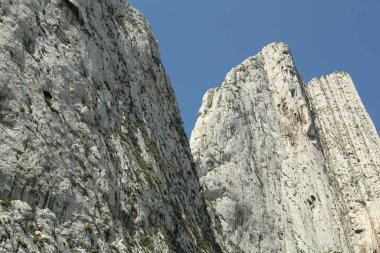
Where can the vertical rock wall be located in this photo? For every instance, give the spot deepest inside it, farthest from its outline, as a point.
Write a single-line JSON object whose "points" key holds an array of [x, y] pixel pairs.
{"points": [[352, 149], [93, 156], [262, 165]]}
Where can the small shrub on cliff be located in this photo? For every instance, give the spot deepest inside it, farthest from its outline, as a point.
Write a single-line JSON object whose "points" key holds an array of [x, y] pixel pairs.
{"points": [[88, 228], [37, 239], [5, 202]]}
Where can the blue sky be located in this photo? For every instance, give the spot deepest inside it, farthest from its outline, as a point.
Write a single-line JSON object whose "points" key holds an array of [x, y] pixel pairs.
{"points": [[201, 40]]}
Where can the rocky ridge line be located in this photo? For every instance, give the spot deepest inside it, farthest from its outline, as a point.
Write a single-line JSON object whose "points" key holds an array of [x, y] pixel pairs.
{"points": [[275, 158]]}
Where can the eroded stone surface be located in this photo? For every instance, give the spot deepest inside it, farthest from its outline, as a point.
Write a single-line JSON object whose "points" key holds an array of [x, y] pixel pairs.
{"points": [[352, 148], [271, 177], [93, 156]]}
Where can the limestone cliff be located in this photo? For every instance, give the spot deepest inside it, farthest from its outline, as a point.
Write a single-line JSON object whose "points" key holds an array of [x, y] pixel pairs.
{"points": [[281, 174], [93, 156], [352, 148]]}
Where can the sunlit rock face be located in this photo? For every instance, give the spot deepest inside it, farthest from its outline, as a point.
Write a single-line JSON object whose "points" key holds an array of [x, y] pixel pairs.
{"points": [[273, 168], [93, 156], [352, 148]]}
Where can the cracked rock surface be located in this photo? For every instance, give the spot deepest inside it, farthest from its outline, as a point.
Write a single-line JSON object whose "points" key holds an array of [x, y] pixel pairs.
{"points": [[94, 158], [287, 168], [93, 155], [352, 148]]}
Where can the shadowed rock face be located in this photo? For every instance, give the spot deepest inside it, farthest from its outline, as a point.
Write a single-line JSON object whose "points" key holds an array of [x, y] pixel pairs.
{"points": [[93, 156], [274, 180]]}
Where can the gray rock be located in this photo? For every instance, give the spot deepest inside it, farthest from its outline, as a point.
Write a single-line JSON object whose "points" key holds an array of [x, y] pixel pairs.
{"points": [[93, 155], [270, 173], [94, 158]]}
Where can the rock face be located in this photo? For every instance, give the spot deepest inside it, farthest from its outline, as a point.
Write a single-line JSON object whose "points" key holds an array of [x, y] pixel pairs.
{"points": [[93, 156], [281, 173], [352, 148]]}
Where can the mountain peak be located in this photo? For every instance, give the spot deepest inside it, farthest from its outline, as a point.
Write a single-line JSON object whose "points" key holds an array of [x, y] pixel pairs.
{"points": [[263, 141]]}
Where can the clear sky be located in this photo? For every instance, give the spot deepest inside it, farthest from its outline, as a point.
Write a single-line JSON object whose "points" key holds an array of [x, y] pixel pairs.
{"points": [[201, 40]]}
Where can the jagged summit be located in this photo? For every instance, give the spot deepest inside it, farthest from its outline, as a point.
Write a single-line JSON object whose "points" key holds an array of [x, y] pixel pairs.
{"points": [[334, 75], [272, 48], [278, 172], [275, 47]]}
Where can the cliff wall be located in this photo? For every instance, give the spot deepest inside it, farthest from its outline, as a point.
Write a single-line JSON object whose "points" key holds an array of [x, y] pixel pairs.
{"points": [[288, 167], [93, 155]]}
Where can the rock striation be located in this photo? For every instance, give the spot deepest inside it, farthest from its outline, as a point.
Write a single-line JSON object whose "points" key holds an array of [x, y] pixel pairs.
{"points": [[94, 158], [287, 167], [352, 149], [93, 155]]}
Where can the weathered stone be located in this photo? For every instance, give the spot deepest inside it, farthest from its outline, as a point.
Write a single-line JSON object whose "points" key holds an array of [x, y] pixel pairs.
{"points": [[93, 155], [265, 166], [352, 148], [94, 158]]}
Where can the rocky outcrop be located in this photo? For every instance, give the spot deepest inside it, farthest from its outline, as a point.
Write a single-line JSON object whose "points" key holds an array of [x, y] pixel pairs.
{"points": [[352, 148], [274, 175], [93, 156]]}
